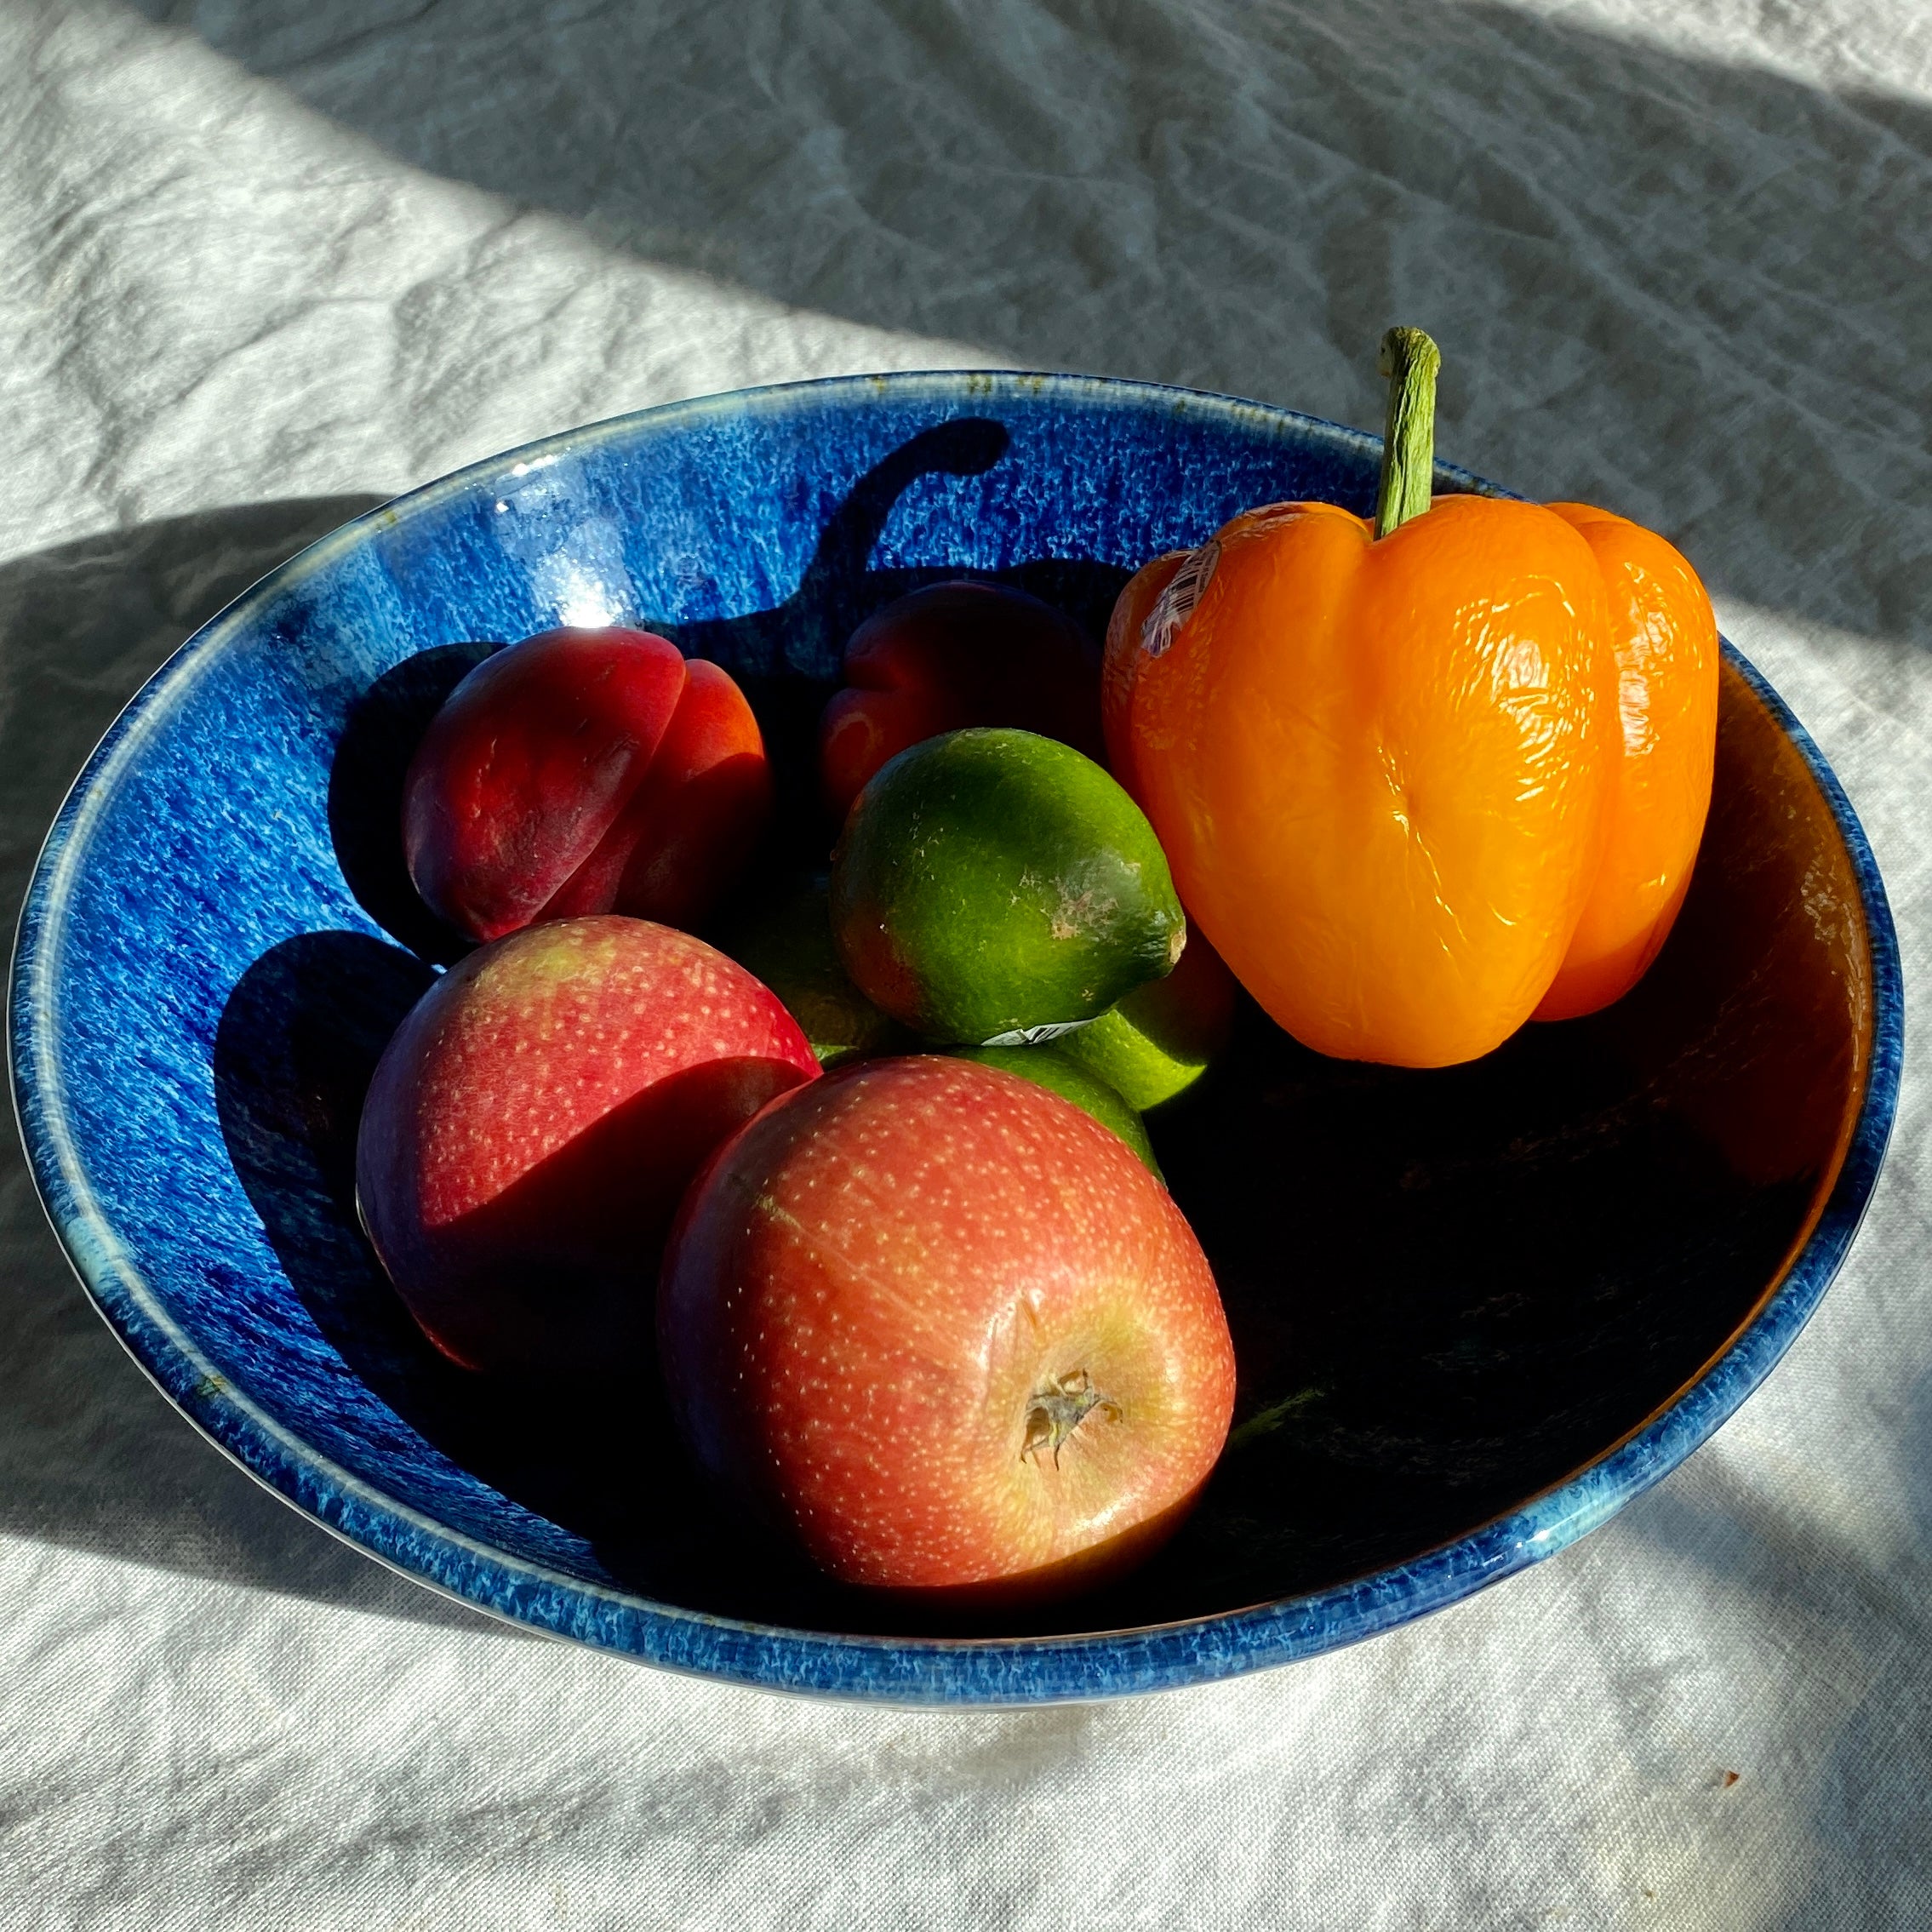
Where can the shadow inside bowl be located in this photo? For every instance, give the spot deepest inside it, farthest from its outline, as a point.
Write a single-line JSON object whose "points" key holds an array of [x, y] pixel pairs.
{"points": [[384, 727], [1450, 1290], [841, 587]]}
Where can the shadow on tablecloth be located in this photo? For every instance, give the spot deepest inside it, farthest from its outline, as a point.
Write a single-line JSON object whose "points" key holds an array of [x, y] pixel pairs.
{"points": [[1690, 289]]}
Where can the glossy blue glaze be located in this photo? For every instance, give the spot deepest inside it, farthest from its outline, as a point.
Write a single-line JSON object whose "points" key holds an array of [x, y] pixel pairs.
{"points": [[197, 849]]}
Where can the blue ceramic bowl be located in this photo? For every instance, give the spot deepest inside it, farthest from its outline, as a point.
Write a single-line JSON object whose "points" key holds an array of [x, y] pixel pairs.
{"points": [[1475, 1312]]}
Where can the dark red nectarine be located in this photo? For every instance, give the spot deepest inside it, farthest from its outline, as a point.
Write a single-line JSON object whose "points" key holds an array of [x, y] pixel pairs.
{"points": [[951, 655], [585, 771]]}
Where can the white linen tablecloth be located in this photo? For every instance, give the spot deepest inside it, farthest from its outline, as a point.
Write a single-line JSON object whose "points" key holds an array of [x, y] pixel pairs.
{"points": [[262, 263]]}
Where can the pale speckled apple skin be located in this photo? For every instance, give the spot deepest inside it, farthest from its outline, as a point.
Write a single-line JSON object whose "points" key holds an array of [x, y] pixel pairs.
{"points": [[873, 1282], [535, 1118]]}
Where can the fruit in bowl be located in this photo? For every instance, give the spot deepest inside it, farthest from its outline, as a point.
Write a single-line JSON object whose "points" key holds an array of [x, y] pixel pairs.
{"points": [[533, 1123], [1059, 1072], [944, 1331], [1423, 777], [781, 934], [584, 771], [1152, 1046], [994, 887], [949, 656]]}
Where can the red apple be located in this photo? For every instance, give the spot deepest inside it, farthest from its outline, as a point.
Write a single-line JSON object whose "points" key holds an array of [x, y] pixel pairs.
{"points": [[534, 1121], [584, 771], [945, 1330], [951, 655]]}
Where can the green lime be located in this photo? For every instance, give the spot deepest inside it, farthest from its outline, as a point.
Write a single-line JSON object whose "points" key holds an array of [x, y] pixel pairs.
{"points": [[1164, 1035], [783, 936], [1047, 1068], [992, 887]]}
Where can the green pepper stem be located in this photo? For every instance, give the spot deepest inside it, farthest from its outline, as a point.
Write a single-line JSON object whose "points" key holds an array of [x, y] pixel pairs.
{"points": [[1409, 360]]}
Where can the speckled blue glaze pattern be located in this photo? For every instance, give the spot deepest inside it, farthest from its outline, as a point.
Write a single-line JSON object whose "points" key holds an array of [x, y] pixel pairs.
{"points": [[197, 841]]}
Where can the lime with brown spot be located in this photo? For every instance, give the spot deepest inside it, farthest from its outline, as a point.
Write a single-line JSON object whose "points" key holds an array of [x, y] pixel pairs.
{"points": [[992, 887]]}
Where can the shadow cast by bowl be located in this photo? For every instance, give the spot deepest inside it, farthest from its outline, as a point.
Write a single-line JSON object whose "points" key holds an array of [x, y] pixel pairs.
{"points": [[1241, 199]]}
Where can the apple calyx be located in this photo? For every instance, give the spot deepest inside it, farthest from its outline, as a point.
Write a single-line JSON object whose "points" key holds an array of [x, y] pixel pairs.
{"points": [[1059, 1408]]}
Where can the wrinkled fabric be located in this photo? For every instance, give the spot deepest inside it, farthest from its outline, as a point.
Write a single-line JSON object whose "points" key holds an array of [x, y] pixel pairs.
{"points": [[262, 264]]}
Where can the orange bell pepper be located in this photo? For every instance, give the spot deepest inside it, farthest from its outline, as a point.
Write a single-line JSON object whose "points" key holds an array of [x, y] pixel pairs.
{"points": [[1420, 780]]}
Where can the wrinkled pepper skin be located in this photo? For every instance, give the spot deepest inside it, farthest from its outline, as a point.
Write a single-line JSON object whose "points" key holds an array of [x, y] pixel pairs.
{"points": [[949, 656], [1382, 770], [584, 771], [1665, 637]]}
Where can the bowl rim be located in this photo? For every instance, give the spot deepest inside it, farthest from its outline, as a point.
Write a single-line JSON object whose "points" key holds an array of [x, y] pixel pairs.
{"points": [[906, 1670]]}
